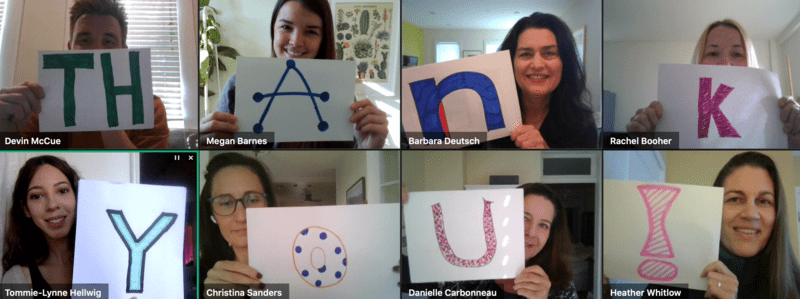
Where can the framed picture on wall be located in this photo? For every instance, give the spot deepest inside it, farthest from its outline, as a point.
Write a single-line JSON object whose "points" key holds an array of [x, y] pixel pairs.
{"points": [[580, 42], [470, 53], [355, 194], [368, 33]]}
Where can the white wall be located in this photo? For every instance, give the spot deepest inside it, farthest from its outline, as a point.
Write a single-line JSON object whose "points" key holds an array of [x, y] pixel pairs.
{"points": [[468, 39], [45, 27], [352, 167], [791, 47], [588, 13], [630, 69]]}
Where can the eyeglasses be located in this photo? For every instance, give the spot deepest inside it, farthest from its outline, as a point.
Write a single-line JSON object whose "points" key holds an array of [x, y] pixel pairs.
{"points": [[225, 205]]}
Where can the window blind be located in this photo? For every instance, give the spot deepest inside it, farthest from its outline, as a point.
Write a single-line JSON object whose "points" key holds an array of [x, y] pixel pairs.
{"points": [[447, 52], [2, 15], [154, 24]]}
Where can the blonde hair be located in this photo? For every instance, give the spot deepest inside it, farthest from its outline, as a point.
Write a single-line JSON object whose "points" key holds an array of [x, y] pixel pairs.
{"points": [[748, 44]]}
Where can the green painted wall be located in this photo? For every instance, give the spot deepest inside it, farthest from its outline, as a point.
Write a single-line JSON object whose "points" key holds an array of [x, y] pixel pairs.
{"points": [[412, 41]]}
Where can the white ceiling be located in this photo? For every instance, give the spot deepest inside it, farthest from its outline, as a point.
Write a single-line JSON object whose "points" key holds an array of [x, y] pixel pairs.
{"points": [[684, 20], [461, 14], [307, 166]]}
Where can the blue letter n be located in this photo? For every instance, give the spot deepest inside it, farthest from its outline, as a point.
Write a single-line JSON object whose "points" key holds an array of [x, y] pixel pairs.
{"points": [[137, 247], [427, 96]]}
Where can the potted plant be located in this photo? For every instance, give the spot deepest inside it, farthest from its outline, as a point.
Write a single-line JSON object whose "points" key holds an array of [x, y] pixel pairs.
{"points": [[362, 69]]}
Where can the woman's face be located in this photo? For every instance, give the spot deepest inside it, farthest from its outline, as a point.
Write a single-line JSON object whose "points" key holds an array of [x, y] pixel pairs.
{"points": [[537, 63], [748, 211], [235, 181], [298, 32], [539, 214], [724, 46], [51, 202]]}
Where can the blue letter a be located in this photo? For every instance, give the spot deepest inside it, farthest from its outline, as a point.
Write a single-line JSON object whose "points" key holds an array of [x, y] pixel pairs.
{"points": [[137, 247], [427, 96]]}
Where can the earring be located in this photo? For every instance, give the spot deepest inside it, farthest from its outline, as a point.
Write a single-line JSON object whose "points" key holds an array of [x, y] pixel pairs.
{"points": [[213, 219]]}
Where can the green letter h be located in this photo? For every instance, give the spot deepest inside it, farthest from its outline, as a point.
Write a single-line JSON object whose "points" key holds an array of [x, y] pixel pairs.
{"points": [[135, 89]]}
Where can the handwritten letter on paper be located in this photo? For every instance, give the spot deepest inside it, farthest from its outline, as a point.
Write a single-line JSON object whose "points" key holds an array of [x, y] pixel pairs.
{"points": [[96, 90], [130, 237], [484, 237], [476, 94], [298, 100], [327, 251], [660, 233], [741, 101]]}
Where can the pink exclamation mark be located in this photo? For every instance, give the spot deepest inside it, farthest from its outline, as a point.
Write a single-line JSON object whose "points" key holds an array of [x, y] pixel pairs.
{"points": [[658, 200]]}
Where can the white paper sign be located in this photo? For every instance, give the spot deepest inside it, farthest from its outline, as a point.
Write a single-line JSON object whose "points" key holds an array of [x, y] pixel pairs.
{"points": [[96, 90], [720, 106], [660, 233], [130, 236], [475, 94], [298, 99], [465, 235], [327, 251]]}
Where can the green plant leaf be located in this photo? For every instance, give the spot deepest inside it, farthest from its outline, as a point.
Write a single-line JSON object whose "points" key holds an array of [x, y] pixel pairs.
{"points": [[227, 51], [211, 21], [222, 67], [204, 3], [213, 35]]}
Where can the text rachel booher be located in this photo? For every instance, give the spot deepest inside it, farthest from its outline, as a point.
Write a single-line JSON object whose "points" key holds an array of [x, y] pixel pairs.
{"points": [[641, 141]]}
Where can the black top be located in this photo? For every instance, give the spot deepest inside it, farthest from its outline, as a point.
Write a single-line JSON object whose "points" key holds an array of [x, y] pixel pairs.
{"points": [[556, 134], [37, 281], [485, 289], [750, 272]]}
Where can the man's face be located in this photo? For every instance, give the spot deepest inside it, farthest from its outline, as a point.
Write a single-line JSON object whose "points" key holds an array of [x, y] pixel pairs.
{"points": [[93, 32]]}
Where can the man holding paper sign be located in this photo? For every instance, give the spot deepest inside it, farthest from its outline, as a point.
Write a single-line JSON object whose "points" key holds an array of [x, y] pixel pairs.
{"points": [[94, 25], [726, 43]]}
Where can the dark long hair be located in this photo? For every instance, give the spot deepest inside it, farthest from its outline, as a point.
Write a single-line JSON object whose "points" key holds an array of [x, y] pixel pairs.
{"points": [[321, 8], [555, 255], [783, 270], [24, 241], [214, 248], [566, 102]]}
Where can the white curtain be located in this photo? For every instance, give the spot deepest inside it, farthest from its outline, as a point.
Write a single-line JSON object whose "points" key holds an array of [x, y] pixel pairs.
{"points": [[10, 42], [10, 163], [188, 44]]}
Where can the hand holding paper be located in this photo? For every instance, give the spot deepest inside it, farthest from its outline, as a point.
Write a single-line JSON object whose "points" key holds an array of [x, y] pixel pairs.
{"points": [[646, 119], [17, 103], [721, 106]]}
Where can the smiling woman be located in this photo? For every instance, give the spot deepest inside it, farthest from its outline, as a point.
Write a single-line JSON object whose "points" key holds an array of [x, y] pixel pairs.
{"points": [[551, 84], [40, 240]]}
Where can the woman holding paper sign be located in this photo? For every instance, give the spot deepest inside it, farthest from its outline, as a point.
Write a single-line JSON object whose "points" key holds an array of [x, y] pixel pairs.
{"points": [[551, 83], [723, 43], [230, 179], [548, 273], [40, 239], [303, 29]]}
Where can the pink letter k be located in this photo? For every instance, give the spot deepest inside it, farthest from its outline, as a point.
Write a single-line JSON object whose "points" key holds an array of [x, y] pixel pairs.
{"points": [[708, 106]]}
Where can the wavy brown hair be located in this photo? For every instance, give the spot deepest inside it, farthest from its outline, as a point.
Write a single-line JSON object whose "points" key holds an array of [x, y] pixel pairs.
{"points": [[24, 241], [319, 7], [555, 255], [783, 270]]}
